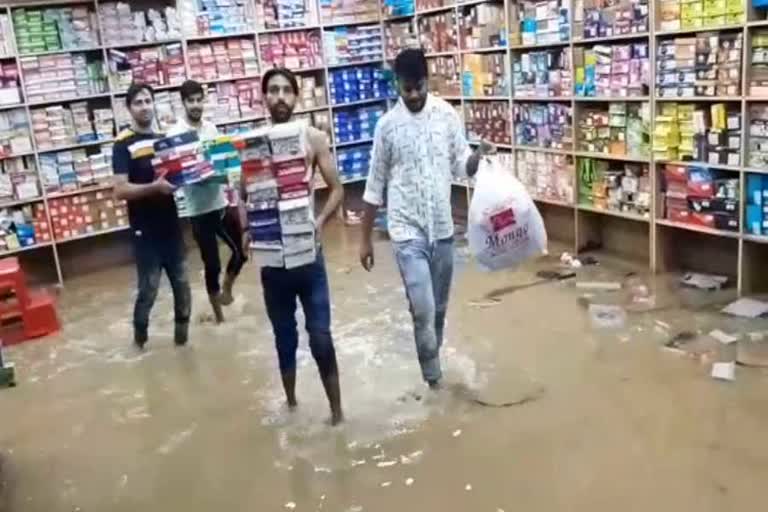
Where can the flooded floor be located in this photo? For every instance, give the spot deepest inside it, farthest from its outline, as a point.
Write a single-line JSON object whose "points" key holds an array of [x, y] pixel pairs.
{"points": [[609, 421]]}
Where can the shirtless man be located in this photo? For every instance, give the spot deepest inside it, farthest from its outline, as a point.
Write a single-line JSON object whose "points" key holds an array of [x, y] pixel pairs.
{"points": [[307, 283]]}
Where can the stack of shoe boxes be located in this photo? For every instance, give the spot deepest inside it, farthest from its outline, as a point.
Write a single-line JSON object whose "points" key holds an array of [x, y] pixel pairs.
{"points": [[615, 186], [15, 133], [544, 21], [438, 32], [292, 50], [156, 66], [616, 129], [483, 26], [546, 176], [279, 200], [621, 70], [89, 212], [701, 196], [358, 84], [70, 170], [18, 179], [181, 159], [488, 120], [220, 17], [7, 48], [701, 133], [62, 76], [606, 18], [444, 77], [285, 13], [756, 214], [10, 87], [347, 45], [757, 148], [706, 65], [353, 163], [485, 75], [543, 125], [349, 11], [542, 74], [399, 35], [121, 25], [227, 58], [54, 29], [356, 124], [758, 80], [687, 14]]}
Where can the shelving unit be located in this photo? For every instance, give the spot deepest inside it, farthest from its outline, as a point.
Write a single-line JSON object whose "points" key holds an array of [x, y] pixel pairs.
{"points": [[660, 243], [650, 239]]}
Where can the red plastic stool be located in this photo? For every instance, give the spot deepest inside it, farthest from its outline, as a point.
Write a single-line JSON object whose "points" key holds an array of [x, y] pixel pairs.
{"points": [[12, 281], [36, 310], [39, 316]]}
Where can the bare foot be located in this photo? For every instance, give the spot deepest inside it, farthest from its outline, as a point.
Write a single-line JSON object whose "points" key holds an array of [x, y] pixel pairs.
{"points": [[225, 297], [336, 418], [292, 404], [435, 385]]}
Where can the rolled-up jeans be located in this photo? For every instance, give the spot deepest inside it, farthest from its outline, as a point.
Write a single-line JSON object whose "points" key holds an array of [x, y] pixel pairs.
{"points": [[427, 271]]}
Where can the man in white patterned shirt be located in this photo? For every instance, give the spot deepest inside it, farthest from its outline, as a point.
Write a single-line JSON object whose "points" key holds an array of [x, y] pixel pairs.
{"points": [[419, 147]]}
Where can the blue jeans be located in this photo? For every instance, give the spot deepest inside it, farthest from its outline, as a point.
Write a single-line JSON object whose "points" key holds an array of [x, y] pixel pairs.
{"points": [[427, 271], [308, 284], [153, 255]]}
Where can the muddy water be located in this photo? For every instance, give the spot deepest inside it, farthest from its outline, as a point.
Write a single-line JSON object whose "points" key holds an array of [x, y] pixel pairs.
{"points": [[619, 424]]}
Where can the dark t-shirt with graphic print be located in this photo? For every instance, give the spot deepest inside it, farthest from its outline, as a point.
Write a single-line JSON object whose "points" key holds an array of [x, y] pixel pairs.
{"points": [[154, 216]]}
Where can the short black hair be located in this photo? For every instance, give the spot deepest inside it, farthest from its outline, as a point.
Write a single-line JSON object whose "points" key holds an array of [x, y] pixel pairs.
{"points": [[284, 72], [411, 65], [134, 89], [190, 88]]}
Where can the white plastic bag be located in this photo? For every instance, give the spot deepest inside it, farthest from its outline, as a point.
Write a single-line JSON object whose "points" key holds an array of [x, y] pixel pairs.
{"points": [[505, 228]]}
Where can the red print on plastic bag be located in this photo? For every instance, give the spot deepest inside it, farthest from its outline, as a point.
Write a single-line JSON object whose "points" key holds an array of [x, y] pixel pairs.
{"points": [[503, 219]]}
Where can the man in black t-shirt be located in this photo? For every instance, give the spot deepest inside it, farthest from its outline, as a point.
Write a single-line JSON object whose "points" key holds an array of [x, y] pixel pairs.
{"points": [[157, 236]]}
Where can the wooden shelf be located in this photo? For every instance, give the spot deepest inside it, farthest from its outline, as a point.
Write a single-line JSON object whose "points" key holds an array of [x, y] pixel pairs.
{"points": [[694, 30], [734, 168], [607, 39], [685, 99], [616, 158], [538, 46], [591, 218], [551, 151], [613, 213], [697, 229], [605, 99]]}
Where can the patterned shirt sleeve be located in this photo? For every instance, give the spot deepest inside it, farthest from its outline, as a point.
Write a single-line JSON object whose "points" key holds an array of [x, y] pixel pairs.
{"points": [[378, 176], [460, 150]]}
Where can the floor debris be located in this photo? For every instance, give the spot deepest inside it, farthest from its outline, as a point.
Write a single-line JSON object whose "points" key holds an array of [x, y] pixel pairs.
{"points": [[607, 286], [290, 505], [486, 302], [386, 484], [746, 308], [468, 487], [708, 282], [724, 371], [386, 464], [457, 433], [409, 482], [723, 337], [606, 316]]}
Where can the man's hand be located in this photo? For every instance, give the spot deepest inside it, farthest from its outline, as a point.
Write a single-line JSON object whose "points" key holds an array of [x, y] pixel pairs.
{"points": [[486, 148], [162, 186], [319, 225], [366, 254]]}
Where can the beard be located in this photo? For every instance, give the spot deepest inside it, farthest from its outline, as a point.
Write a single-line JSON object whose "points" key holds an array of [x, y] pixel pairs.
{"points": [[280, 112], [195, 116]]}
